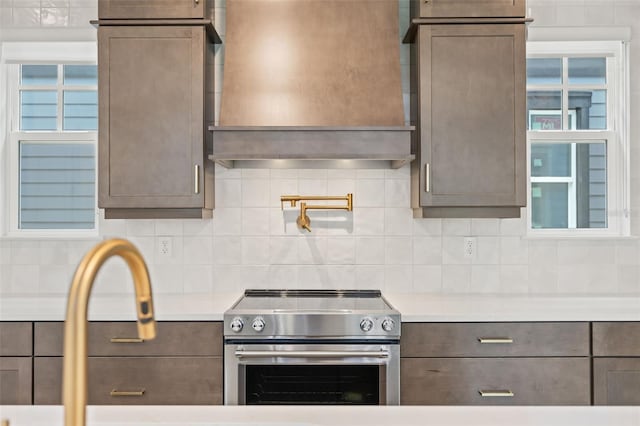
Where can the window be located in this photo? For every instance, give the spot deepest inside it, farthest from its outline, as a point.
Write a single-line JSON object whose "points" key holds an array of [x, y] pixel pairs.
{"points": [[52, 148], [577, 130]]}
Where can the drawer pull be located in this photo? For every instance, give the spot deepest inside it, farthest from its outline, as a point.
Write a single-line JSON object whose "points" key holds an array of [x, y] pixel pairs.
{"points": [[126, 340], [496, 393], [116, 392], [495, 340]]}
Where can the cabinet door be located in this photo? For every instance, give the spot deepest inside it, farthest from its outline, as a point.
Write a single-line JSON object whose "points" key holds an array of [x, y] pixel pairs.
{"points": [[16, 339], [472, 115], [475, 8], [151, 9], [151, 130], [136, 380], [495, 381], [15, 380], [616, 339], [616, 381]]}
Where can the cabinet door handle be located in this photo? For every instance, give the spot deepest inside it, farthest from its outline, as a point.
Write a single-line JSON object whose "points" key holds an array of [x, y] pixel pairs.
{"points": [[116, 392], [196, 178], [126, 340], [427, 178], [495, 340], [496, 393]]}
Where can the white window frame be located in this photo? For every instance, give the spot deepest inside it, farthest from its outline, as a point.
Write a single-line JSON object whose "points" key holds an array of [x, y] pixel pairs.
{"points": [[616, 135], [72, 53]]}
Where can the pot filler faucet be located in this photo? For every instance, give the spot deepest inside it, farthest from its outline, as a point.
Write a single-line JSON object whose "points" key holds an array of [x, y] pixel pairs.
{"points": [[74, 382]]}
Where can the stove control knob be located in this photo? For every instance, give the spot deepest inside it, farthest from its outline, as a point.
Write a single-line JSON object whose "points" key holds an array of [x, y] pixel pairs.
{"points": [[366, 324], [237, 324], [388, 324], [258, 324]]}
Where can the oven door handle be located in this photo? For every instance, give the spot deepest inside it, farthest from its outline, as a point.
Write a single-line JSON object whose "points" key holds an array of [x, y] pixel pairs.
{"points": [[312, 354]]}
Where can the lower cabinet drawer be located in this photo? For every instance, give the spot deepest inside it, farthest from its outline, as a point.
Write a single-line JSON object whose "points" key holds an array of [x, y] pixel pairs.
{"points": [[15, 380], [616, 381], [495, 381], [137, 381]]}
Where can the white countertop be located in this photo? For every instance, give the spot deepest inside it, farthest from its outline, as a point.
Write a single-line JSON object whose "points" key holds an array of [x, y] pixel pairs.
{"points": [[413, 307], [329, 416]]}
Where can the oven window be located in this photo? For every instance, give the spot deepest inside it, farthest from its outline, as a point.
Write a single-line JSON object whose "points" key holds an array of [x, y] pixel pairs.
{"points": [[312, 384]]}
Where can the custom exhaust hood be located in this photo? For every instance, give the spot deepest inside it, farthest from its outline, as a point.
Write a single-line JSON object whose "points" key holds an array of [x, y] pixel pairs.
{"points": [[311, 80]]}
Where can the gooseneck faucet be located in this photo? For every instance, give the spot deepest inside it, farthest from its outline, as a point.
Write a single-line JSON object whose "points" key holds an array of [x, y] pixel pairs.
{"points": [[74, 383]]}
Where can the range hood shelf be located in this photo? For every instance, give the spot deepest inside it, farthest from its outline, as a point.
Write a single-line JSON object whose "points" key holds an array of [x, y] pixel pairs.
{"points": [[312, 146]]}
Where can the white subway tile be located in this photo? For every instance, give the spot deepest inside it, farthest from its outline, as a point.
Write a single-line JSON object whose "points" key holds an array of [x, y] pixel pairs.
{"points": [[456, 278], [222, 172], [5, 252], [199, 227], [514, 251], [54, 17], [572, 279], [403, 172], [283, 251], [427, 227], [341, 250], [369, 193], [485, 227], [147, 247], [586, 253], [341, 276], [255, 250], [167, 279], [543, 279], [398, 251], [369, 221], [254, 276], [5, 279], [283, 276], [226, 278], [370, 173], [25, 252], [280, 187], [198, 251], [26, 17], [255, 193], [169, 227], [55, 279], [398, 278], [227, 221], [198, 279], [456, 227], [627, 252], [25, 279], [313, 174], [427, 278], [255, 221], [398, 221], [54, 253], [396, 193], [227, 251], [340, 187], [283, 222], [514, 278], [570, 16], [6, 16], [514, 226], [543, 252], [485, 279], [453, 251], [313, 187], [370, 251], [312, 277], [341, 174], [370, 277], [114, 278], [228, 193], [487, 251], [140, 228], [284, 174], [603, 279], [312, 250], [427, 250], [77, 249], [629, 279]]}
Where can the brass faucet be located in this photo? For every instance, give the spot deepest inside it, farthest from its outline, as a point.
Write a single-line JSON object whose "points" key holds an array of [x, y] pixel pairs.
{"points": [[74, 383], [303, 220]]}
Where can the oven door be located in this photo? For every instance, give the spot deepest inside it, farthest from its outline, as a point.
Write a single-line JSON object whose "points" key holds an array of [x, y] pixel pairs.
{"points": [[312, 374]]}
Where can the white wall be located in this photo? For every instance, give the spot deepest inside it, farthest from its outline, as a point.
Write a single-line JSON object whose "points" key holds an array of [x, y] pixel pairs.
{"points": [[251, 243]]}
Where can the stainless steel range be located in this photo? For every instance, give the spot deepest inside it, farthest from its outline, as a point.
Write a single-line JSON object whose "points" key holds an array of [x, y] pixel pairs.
{"points": [[312, 347]]}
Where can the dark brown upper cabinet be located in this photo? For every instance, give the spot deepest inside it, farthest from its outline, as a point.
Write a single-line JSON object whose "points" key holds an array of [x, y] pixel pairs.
{"points": [[468, 9], [154, 9], [469, 100], [156, 102]]}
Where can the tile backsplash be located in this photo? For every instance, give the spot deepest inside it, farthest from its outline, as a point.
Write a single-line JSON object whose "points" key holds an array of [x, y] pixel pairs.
{"points": [[251, 242]]}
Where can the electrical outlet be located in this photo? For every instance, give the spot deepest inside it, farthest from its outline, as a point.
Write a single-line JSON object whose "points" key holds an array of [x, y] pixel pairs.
{"points": [[469, 247], [164, 246]]}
